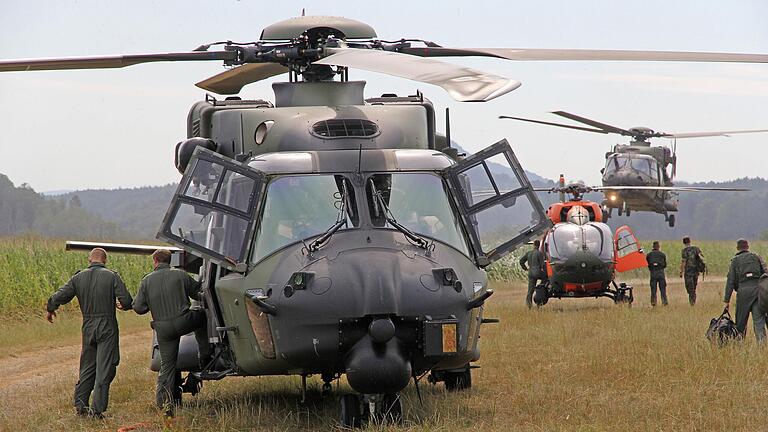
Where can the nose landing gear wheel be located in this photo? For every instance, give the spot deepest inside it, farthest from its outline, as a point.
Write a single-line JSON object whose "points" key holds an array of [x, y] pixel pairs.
{"points": [[350, 416], [455, 381]]}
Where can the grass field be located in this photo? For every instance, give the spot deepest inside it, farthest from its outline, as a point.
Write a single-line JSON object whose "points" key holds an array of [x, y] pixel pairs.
{"points": [[574, 365]]}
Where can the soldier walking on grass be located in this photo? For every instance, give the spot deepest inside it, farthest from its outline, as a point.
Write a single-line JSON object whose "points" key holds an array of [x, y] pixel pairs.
{"points": [[691, 264], [165, 293], [743, 276], [98, 290], [534, 262], [657, 262]]}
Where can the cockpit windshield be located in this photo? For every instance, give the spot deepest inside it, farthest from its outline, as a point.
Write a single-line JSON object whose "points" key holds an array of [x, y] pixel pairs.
{"points": [[419, 202], [566, 239], [297, 208], [641, 163]]}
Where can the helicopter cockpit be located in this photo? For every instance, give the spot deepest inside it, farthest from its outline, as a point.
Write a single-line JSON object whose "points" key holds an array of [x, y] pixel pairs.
{"points": [[565, 239], [635, 163]]}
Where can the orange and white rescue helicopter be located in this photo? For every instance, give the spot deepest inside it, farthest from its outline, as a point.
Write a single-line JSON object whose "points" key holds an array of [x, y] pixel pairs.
{"points": [[582, 253]]}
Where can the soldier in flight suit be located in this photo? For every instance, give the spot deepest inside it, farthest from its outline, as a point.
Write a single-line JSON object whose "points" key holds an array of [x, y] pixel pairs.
{"points": [[657, 262], [691, 264], [96, 289], [534, 262], [165, 293], [743, 275]]}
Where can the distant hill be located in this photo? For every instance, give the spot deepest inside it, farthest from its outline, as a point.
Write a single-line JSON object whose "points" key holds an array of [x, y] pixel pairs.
{"points": [[137, 211], [22, 210]]}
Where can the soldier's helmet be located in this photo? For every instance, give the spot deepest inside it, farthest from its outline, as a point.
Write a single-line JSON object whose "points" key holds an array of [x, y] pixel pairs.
{"points": [[578, 215]]}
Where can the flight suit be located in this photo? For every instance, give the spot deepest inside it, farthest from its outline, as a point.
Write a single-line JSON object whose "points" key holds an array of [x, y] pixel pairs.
{"points": [[743, 275], [690, 257], [535, 263], [657, 262], [96, 289], [165, 293]]}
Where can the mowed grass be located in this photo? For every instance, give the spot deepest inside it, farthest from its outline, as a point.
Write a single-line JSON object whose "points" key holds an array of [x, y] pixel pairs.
{"points": [[573, 365]]}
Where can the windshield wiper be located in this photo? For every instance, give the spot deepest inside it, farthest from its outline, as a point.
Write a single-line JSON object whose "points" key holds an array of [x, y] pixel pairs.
{"points": [[341, 220], [414, 238]]}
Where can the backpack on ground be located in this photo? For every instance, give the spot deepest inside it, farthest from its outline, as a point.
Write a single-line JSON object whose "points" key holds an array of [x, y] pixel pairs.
{"points": [[722, 329]]}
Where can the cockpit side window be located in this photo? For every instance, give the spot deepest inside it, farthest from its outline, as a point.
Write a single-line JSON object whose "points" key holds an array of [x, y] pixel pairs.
{"points": [[297, 208]]}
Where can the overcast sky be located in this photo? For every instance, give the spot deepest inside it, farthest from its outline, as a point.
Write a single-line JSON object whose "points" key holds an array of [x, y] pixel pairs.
{"points": [[118, 128]]}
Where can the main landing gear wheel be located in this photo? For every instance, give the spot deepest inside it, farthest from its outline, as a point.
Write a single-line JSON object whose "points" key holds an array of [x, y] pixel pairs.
{"points": [[618, 210], [455, 381], [671, 221], [624, 295], [356, 410], [540, 296]]}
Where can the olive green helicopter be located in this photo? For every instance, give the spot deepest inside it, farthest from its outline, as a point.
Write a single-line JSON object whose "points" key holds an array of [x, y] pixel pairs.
{"points": [[638, 176], [336, 234]]}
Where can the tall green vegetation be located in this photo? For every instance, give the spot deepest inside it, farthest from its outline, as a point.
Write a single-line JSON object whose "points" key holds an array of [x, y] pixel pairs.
{"points": [[32, 268]]}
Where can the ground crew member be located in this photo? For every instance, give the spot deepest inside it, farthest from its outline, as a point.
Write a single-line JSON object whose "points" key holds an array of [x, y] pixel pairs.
{"points": [[657, 262], [743, 275], [96, 289], [165, 293], [691, 264], [534, 262]]}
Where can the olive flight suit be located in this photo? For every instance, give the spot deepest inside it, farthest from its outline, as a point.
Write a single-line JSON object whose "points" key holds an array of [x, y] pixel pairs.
{"points": [[534, 262], [743, 275], [691, 256], [657, 262], [96, 289], [165, 293]]}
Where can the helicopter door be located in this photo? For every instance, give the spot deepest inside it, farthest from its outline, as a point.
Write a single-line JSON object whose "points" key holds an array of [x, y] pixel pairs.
{"points": [[213, 209], [629, 254], [496, 202]]}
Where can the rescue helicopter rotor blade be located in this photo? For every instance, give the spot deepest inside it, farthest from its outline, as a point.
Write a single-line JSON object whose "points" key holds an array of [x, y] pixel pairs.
{"points": [[462, 83], [536, 54], [710, 134], [606, 127], [110, 62], [232, 81], [602, 131]]}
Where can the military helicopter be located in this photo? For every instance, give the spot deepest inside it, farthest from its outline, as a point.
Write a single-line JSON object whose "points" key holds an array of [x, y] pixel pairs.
{"points": [[638, 176], [583, 255], [338, 235]]}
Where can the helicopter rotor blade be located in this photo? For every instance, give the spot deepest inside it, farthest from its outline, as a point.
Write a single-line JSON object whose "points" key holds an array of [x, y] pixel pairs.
{"points": [[586, 55], [710, 134], [462, 83], [667, 188], [606, 127], [233, 80], [602, 131], [110, 62]]}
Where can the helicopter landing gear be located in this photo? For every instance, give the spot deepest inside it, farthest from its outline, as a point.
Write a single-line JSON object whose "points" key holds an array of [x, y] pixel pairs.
{"points": [[606, 213], [455, 380], [627, 211], [540, 296], [355, 410], [623, 294], [326, 390], [671, 221], [619, 210]]}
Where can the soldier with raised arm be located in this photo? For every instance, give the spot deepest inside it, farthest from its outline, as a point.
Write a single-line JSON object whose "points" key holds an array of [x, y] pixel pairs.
{"points": [[98, 290]]}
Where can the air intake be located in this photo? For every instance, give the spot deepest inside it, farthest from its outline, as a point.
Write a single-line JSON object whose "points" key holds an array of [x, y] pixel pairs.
{"points": [[345, 128]]}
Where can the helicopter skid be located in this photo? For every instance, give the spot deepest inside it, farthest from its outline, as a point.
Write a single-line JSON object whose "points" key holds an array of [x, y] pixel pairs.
{"points": [[621, 293]]}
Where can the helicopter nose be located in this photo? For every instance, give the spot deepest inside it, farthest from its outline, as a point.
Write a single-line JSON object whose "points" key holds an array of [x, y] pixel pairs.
{"points": [[381, 330]]}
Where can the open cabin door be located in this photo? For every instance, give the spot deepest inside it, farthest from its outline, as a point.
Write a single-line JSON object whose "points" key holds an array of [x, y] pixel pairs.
{"points": [[212, 213], [629, 254], [496, 202]]}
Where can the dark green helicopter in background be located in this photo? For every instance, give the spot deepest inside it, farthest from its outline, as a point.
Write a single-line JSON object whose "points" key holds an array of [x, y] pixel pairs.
{"points": [[338, 235], [638, 176]]}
